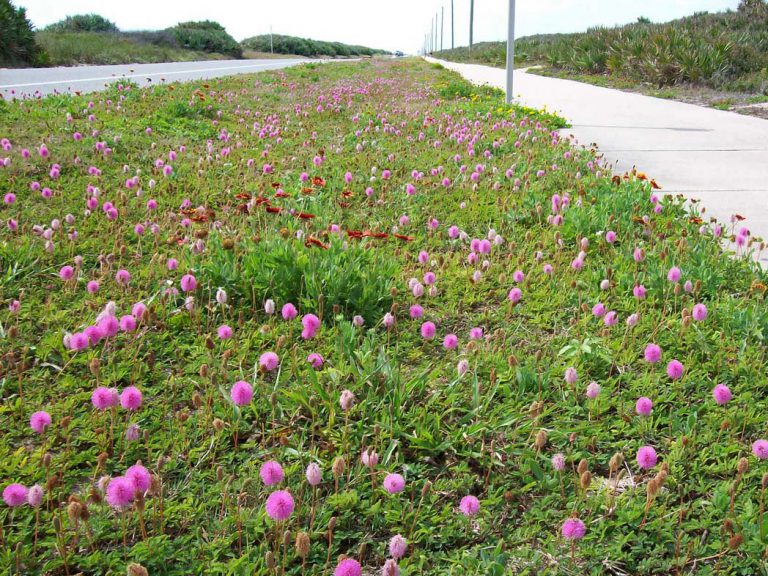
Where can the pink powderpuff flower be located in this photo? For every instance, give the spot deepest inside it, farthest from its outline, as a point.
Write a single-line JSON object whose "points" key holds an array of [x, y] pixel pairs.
{"points": [[389, 320], [315, 360], [132, 433], [131, 398], [397, 546], [346, 400], [311, 324], [652, 353], [269, 307], [39, 421], [515, 295], [348, 567], [127, 323], [462, 367], [573, 529], [314, 474], [571, 376], [639, 291], [103, 398], [476, 333], [15, 495], [394, 483], [271, 473], [172, 264], [139, 477], [109, 326], [224, 332], [390, 568], [241, 393], [699, 312], [123, 277], [643, 406], [722, 394], [188, 283], [760, 449], [92, 287], [416, 311], [280, 505], [675, 369], [610, 236], [138, 310], [35, 496], [288, 311], [674, 274], [369, 458], [558, 462], [518, 276], [120, 492], [428, 330], [611, 318], [66, 273], [451, 341], [598, 310], [269, 361], [469, 506], [646, 457], [593, 390]]}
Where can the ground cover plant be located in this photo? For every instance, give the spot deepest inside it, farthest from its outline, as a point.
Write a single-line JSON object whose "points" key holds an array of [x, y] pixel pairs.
{"points": [[362, 318], [726, 52]]}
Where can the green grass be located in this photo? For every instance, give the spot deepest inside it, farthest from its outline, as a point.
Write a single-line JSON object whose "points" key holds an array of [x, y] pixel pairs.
{"points": [[72, 48], [490, 431]]}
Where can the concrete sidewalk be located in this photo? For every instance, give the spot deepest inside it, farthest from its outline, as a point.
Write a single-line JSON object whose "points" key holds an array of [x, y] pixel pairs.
{"points": [[719, 157]]}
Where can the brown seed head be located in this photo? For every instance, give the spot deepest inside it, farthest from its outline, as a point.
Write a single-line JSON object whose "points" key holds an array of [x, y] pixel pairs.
{"points": [[136, 570], [302, 545]]}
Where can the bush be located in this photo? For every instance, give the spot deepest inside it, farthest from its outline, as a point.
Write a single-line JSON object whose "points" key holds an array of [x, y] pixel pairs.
{"points": [[83, 23], [17, 39], [304, 46], [206, 36]]}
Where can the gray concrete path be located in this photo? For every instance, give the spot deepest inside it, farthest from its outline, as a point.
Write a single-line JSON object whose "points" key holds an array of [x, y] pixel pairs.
{"points": [[31, 82], [719, 157]]}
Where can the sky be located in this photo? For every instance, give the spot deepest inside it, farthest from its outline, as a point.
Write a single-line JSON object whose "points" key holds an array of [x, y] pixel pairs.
{"points": [[387, 24]]}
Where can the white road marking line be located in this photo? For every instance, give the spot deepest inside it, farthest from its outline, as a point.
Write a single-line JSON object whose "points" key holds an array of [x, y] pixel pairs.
{"points": [[145, 75]]}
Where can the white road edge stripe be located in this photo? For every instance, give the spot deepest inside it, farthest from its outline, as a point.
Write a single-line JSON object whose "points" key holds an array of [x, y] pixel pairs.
{"points": [[146, 75]]}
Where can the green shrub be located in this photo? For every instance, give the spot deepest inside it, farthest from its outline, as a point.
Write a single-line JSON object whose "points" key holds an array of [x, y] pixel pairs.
{"points": [[711, 49], [206, 36], [281, 44], [355, 278], [17, 39], [83, 23]]}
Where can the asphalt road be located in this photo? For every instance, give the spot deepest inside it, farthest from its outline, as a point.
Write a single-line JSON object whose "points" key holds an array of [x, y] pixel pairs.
{"points": [[33, 82], [720, 158]]}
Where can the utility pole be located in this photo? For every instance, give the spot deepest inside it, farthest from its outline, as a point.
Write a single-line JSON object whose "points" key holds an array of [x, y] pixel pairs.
{"points": [[442, 25], [452, 19], [510, 50], [471, 21]]}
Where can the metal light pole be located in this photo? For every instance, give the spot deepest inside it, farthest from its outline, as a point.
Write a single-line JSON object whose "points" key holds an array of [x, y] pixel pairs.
{"points": [[471, 21], [442, 25], [452, 37], [510, 49]]}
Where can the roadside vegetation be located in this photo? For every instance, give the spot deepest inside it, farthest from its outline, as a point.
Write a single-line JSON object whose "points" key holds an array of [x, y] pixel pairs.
{"points": [[725, 53], [92, 39], [305, 47], [364, 318]]}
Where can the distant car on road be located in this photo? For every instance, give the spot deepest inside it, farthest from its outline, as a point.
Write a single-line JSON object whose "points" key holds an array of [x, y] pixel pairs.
{"points": [[399, 54]]}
